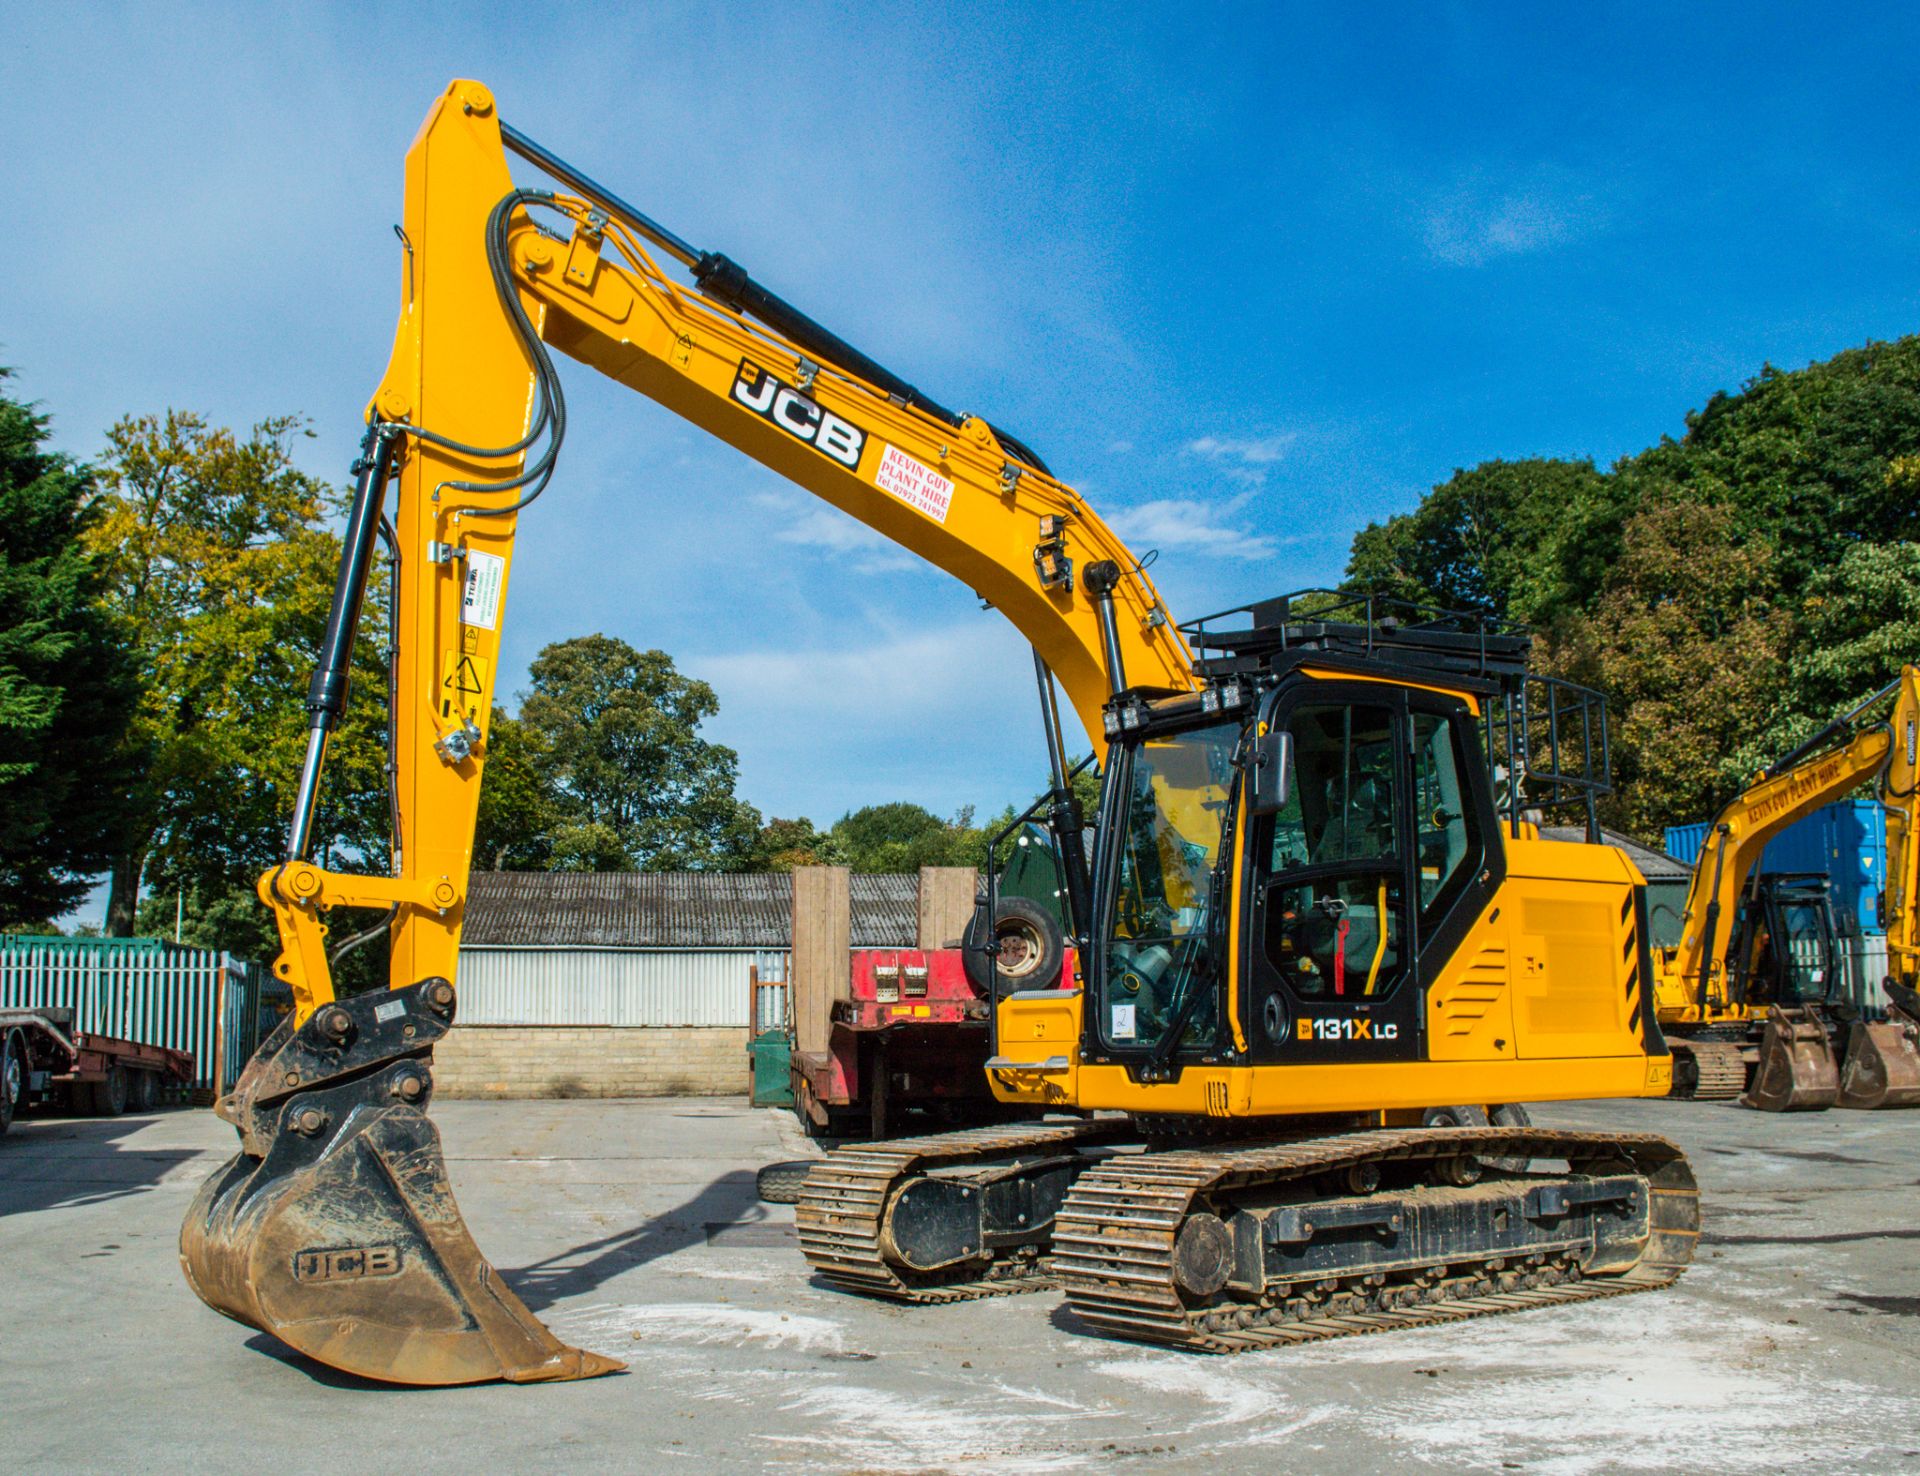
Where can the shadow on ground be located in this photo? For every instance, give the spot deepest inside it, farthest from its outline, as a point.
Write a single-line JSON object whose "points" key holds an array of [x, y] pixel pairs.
{"points": [[584, 1268], [47, 1162]]}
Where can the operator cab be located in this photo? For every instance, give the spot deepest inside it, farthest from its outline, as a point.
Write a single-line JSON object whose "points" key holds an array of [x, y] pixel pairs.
{"points": [[1293, 849]]}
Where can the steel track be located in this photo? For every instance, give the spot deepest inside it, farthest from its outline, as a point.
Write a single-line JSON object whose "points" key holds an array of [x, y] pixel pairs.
{"points": [[1114, 1240], [842, 1208], [1722, 1070]]}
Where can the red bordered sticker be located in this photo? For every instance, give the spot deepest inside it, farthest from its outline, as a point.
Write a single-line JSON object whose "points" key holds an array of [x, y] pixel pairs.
{"points": [[914, 483]]}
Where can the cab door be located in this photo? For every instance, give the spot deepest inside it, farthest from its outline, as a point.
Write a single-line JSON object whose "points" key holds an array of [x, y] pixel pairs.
{"points": [[1330, 942], [1363, 885]]}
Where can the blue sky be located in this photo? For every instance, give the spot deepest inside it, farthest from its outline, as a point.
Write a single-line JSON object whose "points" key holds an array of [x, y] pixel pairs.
{"points": [[1250, 277]]}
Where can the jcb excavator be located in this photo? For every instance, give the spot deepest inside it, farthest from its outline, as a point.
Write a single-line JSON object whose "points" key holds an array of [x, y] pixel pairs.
{"points": [[1317, 910], [1730, 1035]]}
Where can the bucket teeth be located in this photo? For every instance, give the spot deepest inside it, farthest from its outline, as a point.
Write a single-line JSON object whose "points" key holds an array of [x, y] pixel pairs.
{"points": [[335, 1229]]}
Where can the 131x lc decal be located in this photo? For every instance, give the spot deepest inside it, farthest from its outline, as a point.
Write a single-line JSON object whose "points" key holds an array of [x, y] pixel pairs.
{"points": [[1345, 1027]]}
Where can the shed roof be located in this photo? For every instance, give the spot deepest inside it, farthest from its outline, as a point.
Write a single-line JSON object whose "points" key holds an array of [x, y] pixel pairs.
{"points": [[669, 909], [1654, 865]]}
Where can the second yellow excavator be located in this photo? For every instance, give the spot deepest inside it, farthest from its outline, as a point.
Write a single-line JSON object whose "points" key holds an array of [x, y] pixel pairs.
{"points": [[1316, 913], [1730, 1036]]}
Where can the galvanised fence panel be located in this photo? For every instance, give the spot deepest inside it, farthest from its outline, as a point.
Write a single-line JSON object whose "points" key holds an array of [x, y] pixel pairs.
{"points": [[196, 1000]]}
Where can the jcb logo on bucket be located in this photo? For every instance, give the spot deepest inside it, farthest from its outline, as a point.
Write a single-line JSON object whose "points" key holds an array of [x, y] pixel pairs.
{"points": [[349, 1264]]}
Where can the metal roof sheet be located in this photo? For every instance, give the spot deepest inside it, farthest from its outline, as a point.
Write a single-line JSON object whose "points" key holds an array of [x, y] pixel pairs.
{"points": [[1654, 865], [669, 909]]}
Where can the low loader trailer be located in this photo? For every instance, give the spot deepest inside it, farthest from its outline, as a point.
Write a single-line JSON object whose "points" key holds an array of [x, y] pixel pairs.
{"points": [[44, 1061]]}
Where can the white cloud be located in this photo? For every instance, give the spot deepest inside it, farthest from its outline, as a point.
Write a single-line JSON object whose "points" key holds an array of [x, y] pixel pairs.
{"points": [[1120, 448], [814, 524], [1239, 459], [1478, 222], [1196, 527]]}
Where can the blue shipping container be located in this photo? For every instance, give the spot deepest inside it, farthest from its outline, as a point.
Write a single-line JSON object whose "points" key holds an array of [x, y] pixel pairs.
{"points": [[1845, 841]]}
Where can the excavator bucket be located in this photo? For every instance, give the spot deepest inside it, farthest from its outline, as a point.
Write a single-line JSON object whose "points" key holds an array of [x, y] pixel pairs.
{"points": [[334, 1227], [1883, 1061], [1797, 1072]]}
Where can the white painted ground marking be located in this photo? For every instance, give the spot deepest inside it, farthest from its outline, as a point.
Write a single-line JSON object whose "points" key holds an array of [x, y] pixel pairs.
{"points": [[868, 1428], [705, 1322], [1631, 1385]]}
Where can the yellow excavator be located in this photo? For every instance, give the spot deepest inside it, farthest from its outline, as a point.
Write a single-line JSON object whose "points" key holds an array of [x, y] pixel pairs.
{"points": [[1316, 911], [1729, 1036]]}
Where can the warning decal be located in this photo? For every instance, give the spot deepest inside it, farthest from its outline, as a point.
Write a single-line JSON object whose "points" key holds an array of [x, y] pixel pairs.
{"points": [[463, 681], [480, 605], [914, 483]]}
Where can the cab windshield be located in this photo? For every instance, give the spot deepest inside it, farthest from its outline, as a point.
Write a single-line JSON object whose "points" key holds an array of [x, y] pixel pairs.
{"points": [[1163, 927]]}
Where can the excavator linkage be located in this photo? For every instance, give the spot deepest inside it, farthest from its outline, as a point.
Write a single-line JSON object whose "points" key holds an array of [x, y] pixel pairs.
{"points": [[335, 1229], [1797, 1071]]}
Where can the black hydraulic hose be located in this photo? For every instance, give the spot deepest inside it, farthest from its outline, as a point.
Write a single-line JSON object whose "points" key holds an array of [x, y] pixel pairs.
{"points": [[392, 542], [727, 282], [327, 691]]}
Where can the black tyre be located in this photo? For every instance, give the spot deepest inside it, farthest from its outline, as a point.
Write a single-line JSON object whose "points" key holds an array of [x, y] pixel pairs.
{"points": [[1032, 949], [110, 1096], [1504, 1116], [13, 1079], [1509, 1115], [779, 1183], [1455, 1117], [143, 1091]]}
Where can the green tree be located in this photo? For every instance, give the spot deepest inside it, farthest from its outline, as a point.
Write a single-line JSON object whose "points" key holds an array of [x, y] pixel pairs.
{"points": [[518, 806], [1526, 540], [903, 837], [221, 567], [1688, 643], [67, 690], [636, 788], [782, 845]]}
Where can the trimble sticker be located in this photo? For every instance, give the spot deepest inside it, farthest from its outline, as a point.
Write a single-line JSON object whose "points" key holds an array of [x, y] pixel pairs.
{"points": [[915, 483], [480, 605]]}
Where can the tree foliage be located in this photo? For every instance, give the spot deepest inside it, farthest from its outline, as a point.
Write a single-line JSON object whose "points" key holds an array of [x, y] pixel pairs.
{"points": [[634, 787], [220, 567], [67, 689], [1730, 590]]}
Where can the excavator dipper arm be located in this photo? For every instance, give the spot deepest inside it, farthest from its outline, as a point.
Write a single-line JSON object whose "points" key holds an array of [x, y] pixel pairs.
{"points": [[334, 1228], [1796, 1068]]}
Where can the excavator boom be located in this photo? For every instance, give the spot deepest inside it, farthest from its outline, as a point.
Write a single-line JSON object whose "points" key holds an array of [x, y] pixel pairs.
{"points": [[334, 1227]]}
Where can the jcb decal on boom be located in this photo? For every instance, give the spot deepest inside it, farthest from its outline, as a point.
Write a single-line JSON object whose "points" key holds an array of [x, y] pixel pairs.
{"points": [[1346, 1027], [798, 416]]}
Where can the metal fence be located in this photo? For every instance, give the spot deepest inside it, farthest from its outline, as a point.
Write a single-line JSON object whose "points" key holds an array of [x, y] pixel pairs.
{"points": [[611, 986], [144, 989], [770, 992]]}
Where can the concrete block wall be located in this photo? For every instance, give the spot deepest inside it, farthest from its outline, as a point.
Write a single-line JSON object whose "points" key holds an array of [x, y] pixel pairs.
{"points": [[527, 1061]]}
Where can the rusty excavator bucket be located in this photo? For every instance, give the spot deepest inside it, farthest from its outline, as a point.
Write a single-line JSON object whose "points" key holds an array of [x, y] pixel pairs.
{"points": [[1883, 1061], [1797, 1071], [334, 1227]]}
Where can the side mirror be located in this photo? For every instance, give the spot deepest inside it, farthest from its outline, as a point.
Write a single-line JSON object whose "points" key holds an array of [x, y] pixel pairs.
{"points": [[1272, 767]]}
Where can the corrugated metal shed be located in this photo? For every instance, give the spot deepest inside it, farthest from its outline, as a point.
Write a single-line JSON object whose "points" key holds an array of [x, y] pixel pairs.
{"points": [[1654, 865], [611, 986], [678, 910]]}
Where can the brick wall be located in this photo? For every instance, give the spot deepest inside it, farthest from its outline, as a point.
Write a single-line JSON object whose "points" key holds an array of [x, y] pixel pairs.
{"points": [[521, 1061]]}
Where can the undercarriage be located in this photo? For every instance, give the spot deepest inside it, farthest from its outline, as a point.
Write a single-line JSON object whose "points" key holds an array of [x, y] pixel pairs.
{"points": [[1302, 1235]]}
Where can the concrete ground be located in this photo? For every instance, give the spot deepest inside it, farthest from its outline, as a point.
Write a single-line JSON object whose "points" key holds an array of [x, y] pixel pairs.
{"points": [[632, 1227]]}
